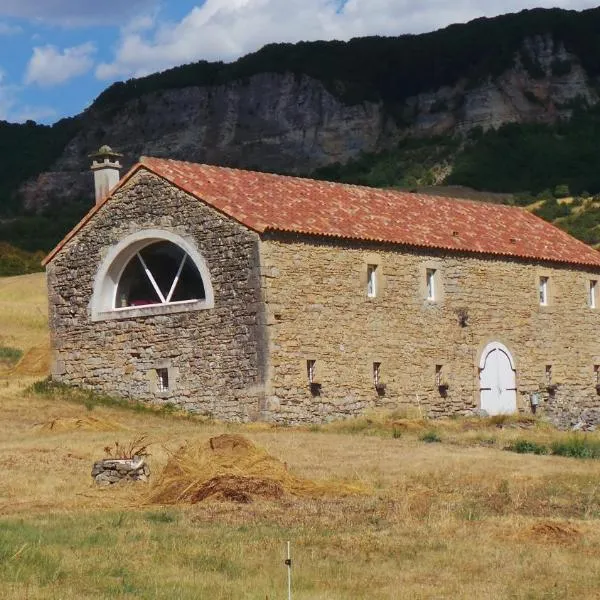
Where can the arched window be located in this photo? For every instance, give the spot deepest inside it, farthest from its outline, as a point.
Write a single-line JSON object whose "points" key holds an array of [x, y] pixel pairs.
{"points": [[149, 273], [160, 273]]}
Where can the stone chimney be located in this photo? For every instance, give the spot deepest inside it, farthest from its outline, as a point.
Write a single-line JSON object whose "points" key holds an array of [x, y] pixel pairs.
{"points": [[106, 168]]}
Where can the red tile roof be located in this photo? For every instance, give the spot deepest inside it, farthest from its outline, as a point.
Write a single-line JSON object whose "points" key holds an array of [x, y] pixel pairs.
{"points": [[264, 202]]}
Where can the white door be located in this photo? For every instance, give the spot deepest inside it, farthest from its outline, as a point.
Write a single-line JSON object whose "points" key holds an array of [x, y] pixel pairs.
{"points": [[497, 381]]}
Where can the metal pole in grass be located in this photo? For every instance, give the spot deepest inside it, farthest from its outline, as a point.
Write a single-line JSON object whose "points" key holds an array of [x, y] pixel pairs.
{"points": [[288, 562]]}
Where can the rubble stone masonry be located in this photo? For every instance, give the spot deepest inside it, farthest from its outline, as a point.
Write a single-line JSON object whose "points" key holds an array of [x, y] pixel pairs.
{"points": [[318, 309], [215, 357], [286, 299]]}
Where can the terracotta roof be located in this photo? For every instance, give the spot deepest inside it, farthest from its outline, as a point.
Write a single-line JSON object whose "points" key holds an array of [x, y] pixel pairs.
{"points": [[264, 202]]}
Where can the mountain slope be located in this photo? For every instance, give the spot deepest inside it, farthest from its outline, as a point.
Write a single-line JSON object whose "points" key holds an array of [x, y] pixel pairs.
{"points": [[411, 110]]}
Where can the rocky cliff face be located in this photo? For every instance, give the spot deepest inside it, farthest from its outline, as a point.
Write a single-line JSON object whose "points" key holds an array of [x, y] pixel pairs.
{"points": [[294, 124], [516, 96]]}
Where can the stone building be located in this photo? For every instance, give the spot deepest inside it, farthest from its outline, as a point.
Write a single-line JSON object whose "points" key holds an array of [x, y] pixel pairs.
{"points": [[247, 295]]}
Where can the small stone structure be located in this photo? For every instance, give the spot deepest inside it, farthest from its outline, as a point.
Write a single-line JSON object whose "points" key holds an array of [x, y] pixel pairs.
{"points": [[112, 470]]}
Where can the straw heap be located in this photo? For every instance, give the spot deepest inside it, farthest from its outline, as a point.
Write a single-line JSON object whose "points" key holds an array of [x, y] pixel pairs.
{"points": [[231, 467]]}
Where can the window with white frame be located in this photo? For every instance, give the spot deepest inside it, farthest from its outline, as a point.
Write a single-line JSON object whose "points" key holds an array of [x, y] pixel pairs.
{"points": [[371, 281], [592, 293], [160, 273], [543, 291], [430, 276], [311, 371], [151, 272]]}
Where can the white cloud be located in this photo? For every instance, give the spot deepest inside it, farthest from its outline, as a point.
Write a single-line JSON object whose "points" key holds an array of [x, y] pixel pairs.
{"points": [[13, 110], [6, 29], [227, 29], [49, 66], [33, 113], [74, 12]]}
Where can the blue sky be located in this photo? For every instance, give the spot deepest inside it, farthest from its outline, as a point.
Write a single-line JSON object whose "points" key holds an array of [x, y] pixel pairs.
{"points": [[56, 56]]}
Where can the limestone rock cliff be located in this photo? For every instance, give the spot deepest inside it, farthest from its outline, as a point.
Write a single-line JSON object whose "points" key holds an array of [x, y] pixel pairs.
{"points": [[293, 123]]}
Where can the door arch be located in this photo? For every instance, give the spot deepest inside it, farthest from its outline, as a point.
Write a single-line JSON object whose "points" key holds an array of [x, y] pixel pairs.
{"points": [[497, 380]]}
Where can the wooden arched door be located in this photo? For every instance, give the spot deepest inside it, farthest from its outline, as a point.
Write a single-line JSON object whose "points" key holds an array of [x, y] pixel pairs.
{"points": [[497, 380]]}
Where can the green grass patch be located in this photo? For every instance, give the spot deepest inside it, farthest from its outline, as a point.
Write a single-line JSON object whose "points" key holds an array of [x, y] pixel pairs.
{"points": [[48, 388], [577, 447], [574, 447], [431, 437], [527, 447], [163, 516], [10, 356]]}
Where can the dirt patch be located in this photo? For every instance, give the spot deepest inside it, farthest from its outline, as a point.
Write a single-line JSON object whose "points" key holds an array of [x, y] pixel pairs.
{"points": [[231, 467], [35, 362], [554, 532]]}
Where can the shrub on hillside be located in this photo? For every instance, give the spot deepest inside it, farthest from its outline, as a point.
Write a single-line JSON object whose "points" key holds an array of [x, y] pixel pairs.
{"points": [[14, 261]]}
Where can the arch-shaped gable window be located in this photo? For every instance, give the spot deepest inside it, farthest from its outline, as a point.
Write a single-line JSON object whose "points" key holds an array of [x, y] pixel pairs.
{"points": [[160, 273], [150, 273]]}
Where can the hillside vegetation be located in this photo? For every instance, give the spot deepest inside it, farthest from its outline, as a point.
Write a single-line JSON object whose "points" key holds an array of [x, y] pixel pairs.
{"points": [[14, 261], [394, 68]]}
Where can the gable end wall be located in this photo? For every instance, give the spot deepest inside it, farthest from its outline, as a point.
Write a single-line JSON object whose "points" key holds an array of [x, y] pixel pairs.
{"points": [[216, 357]]}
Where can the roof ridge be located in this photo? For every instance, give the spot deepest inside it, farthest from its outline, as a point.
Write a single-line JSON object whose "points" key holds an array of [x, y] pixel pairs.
{"points": [[390, 190]]}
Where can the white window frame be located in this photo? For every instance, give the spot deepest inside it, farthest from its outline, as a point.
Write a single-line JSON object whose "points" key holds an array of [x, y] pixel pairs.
{"points": [[430, 284], [543, 290], [592, 292], [376, 373], [371, 281], [104, 298], [311, 371]]}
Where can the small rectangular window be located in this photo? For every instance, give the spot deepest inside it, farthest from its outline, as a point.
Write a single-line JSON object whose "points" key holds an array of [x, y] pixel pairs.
{"points": [[311, 370], [549, 374], [431, 291], [597, 374], [371, 281], [162, 380], [438, 375], [592, 294], [376, 373], [544, 291]]}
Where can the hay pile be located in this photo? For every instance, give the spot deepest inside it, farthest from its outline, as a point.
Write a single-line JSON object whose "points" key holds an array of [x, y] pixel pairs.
{"points": [[62, 424], [231, 467]]}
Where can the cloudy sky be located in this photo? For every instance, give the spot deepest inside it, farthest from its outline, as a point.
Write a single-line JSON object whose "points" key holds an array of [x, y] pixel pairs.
{"points": [[56, 56]]}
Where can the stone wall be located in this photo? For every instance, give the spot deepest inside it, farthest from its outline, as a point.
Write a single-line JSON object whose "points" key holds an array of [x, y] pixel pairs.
{"points": [[215, 357], [318, 309]]}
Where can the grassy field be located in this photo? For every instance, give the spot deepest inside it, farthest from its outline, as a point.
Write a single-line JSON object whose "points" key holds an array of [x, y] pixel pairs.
{"points": [[456, 518]]}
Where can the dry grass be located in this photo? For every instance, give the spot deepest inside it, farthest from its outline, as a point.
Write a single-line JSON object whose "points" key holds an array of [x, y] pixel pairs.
{"points": [[83, 423], [23, 311], [457, 519]]}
